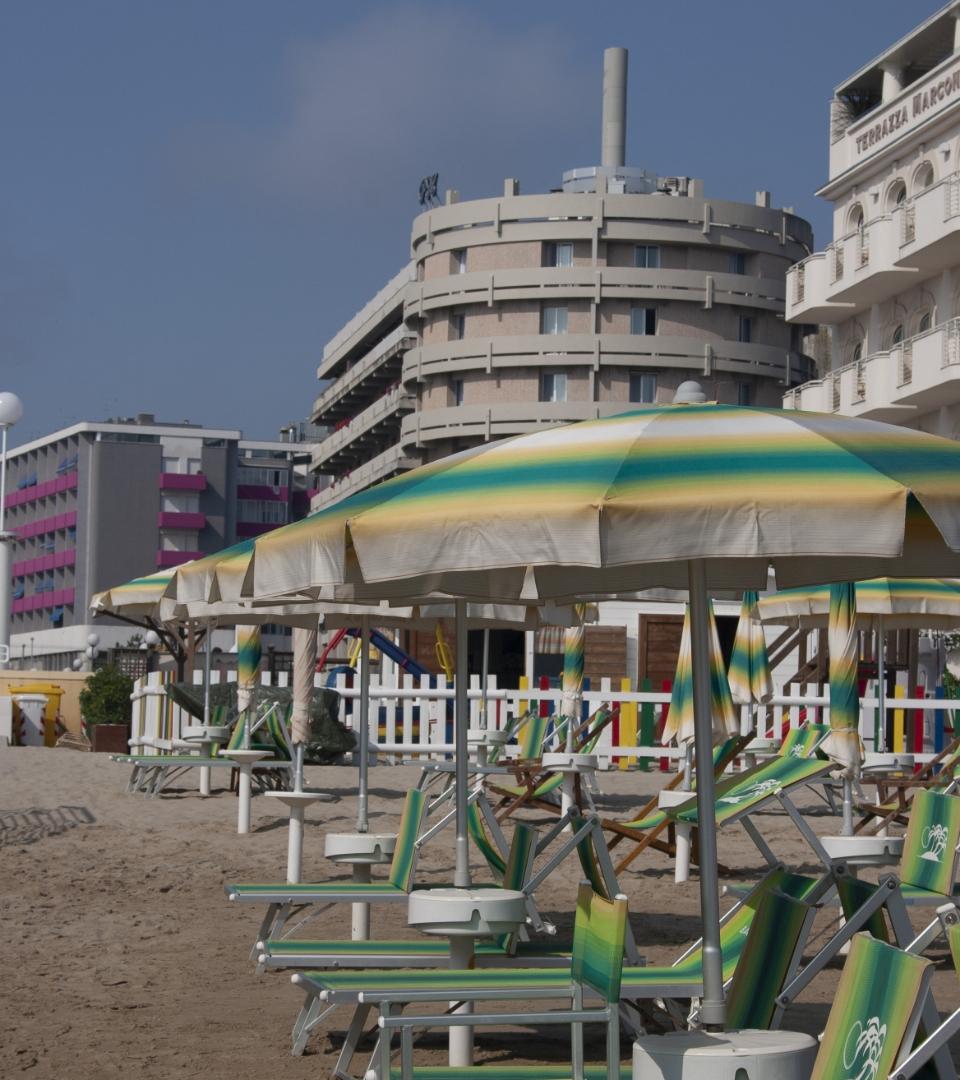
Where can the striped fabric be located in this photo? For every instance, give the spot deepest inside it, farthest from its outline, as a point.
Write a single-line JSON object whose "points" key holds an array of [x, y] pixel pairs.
{"points": [[599, 932], [587, 855], [853, 893], [523, 850], [139, 597], [531, 736], [843, 642], [679, 724], [879, 990], [924, 603], [248, 668], [405, 853], [478, 834], [929, 858], [630, 499], [803, 741], [765, 962], [571, 705], [749, 673]]}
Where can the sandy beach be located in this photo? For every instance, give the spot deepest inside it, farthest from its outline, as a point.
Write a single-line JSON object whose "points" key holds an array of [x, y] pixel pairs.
{"points": [[123, 957]]}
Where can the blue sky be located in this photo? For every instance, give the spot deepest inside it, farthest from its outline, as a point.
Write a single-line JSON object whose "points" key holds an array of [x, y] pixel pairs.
{"points": [[195, 195]]}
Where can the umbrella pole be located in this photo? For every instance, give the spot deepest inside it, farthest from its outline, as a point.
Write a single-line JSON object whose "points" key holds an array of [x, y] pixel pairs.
{"points": [[484, 674], [712, 1010], [880, 742], [364, 734], [461, 721], [204, 779]]}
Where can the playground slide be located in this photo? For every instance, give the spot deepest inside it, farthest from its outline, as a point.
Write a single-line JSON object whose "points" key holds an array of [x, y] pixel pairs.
{"points": [[404, 661]]}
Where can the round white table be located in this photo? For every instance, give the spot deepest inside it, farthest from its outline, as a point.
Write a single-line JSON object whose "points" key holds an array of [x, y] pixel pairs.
{"points": [[360, 851], [206, 738], [245, 759], [671, 797], [572, 766], [462, 915], [297, 801]]}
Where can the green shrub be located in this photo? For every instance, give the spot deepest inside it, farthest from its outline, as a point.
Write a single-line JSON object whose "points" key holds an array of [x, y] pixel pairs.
{"points": [[106, 697]]}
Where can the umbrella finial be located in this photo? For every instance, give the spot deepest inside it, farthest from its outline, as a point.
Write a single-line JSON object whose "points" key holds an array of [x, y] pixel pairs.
{"points": [[689, 393]]}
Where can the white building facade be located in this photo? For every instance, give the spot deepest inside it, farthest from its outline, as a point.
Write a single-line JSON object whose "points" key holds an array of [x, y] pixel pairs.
{"points": [[888, 286]]}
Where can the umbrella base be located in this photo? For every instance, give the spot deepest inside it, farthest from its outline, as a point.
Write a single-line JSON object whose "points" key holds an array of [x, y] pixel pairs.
{"points": [[358, 849], [727, 1055], [864, 850]]}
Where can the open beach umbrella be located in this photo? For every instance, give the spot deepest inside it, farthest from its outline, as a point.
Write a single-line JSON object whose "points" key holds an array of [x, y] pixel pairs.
{"points": [[697, 495], [843, 744], [882, 604], [679, 724], [749, 674]]}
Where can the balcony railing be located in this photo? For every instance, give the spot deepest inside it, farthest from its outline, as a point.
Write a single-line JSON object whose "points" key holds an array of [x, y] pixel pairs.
{"points": [[393, 401], [391, 461]]}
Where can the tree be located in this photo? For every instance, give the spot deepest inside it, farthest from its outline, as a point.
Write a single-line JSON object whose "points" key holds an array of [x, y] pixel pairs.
{"points": [[106, 697]]}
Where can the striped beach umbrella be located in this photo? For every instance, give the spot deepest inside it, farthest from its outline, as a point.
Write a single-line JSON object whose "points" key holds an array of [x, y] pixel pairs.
{"points": [[139, 598], [843, 641], [749, 675], [571, 704], [248, 673], [882, 603], [685, 496], [679, 724]]}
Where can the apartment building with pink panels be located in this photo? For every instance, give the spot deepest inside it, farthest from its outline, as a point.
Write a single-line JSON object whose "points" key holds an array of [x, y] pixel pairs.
{"points": [[97, 504]]}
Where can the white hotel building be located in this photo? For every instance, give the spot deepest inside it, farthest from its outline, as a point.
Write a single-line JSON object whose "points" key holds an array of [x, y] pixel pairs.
{"points": [[888, 286]]}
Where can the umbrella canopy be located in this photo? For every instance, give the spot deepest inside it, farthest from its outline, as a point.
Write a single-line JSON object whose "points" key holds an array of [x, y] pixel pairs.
{"points": [[629, 500], [704, 496], [680, 720], [882, 603], [139, 598], [843, 641], [749, 675]]}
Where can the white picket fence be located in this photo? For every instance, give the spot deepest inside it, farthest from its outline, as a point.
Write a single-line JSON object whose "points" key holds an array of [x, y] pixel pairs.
{"points": [[410, 716]]}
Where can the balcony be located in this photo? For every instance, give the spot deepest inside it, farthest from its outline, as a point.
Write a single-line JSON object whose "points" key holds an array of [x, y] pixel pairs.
{"points": [[167, 559], [808, 288], [379, 422], [365, 380], [593, 350], [387, 464], [864, 267], [920, 374], [481, 423], [549, 284], [181, 519], [929, 232], [182, 482]]}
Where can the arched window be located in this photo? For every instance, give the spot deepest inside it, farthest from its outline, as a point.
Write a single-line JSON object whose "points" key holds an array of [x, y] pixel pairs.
{"points": [[855, 218], [896, 194], [923, 177], [857, 355], [924, 324], [897, 338]]}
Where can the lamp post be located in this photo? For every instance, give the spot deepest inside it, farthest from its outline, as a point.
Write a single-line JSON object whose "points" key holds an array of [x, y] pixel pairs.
{"points": [[10, 412]]}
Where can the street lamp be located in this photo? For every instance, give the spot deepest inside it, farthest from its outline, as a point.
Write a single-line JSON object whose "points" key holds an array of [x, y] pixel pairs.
{"points": [[10, 412]]}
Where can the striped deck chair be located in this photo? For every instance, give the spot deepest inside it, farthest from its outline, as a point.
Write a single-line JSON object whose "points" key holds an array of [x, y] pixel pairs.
{"points": [[895, 794], [739, 796], [767, 932], [283, 899], [656, 820], [875, 1014], [535, 783]]}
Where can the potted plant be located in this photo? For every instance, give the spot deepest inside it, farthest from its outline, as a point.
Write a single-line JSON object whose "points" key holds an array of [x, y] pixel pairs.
{"points": [[105, 708]]}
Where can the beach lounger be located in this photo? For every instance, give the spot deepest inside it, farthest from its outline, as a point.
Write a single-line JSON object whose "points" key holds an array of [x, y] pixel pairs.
{"points": [[535, 783], [152, 774], [683, 980], [894, 794], [283, 899]]}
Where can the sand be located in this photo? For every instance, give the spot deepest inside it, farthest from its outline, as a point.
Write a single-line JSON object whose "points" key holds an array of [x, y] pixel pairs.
{"points": [[123, 958]]}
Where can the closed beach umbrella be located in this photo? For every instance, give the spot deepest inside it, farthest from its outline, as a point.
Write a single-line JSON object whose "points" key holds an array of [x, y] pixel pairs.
{"points": [[571, 704], [749, 675], [248, 674], [680, 716], [843, 641], [696, 496]]}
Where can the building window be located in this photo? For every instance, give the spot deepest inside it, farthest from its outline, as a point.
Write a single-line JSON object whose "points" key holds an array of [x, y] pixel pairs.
{"points": [[262, 476], [458, 325], [643, 320], [553, 386], [646, 256], [923, 177], [744, 394], [897, 335], [857, 355], [185, 502], [924, 324], [643, 387], [458, 391], [553, 320], [262, 511], [559, 255], [897, 194], [745, 329], [737, 263], [460, 261]]}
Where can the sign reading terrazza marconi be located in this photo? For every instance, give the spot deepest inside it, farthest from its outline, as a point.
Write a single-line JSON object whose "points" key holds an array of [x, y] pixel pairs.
{"points": [[931, 96]]}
